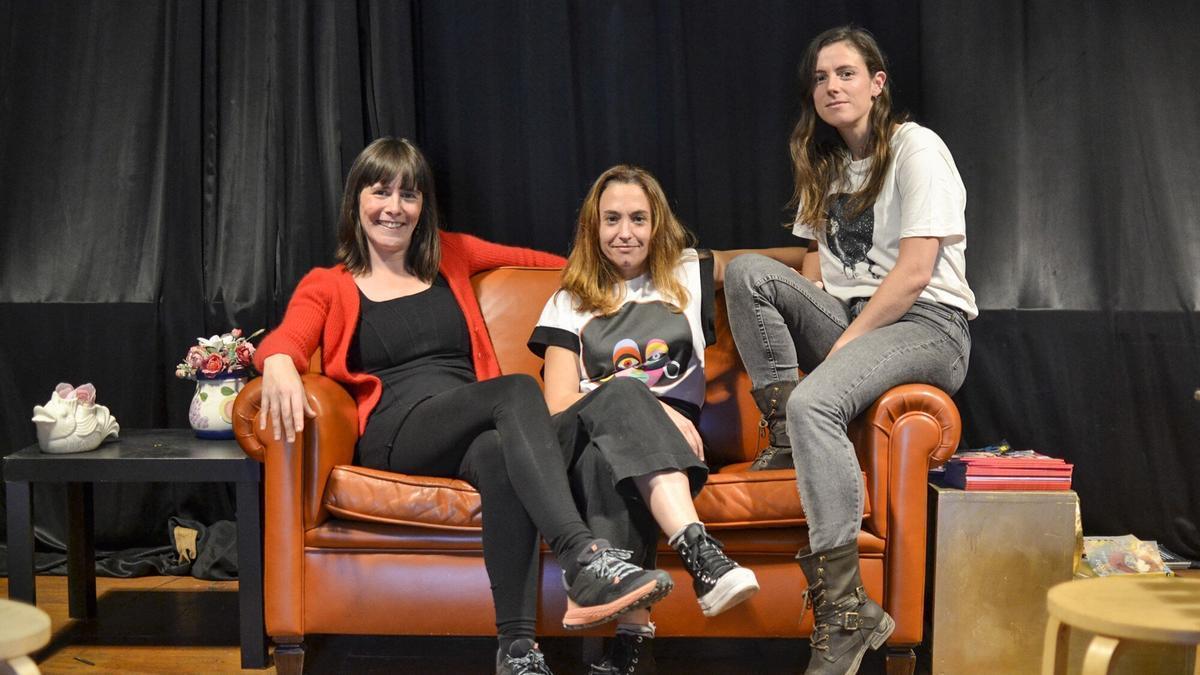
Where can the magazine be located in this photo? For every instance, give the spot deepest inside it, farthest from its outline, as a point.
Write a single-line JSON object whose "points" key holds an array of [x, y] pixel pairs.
{"points": [[1125, 554]]}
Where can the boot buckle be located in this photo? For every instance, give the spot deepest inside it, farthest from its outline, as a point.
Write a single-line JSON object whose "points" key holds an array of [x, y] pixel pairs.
{"points": [[851, 621]]}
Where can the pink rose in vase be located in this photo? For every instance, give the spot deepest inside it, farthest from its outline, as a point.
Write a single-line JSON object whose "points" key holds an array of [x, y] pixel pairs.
{"points": [[213, 365], [195, 358], [245, 354]]}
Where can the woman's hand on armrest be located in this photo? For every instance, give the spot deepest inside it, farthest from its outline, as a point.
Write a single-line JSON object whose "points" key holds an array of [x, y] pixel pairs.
{"points": [[284, 403]]}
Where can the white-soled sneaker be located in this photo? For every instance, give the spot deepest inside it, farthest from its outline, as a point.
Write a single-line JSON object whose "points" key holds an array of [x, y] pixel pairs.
{"points": [[719, 582]]}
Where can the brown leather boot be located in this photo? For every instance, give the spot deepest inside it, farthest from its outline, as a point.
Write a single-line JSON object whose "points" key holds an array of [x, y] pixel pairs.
{"points": [[772, 403], [846, 622]]}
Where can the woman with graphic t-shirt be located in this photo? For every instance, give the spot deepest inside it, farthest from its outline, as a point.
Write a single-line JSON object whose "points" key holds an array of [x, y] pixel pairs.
{"points": [[624, 347], [882, 300]]}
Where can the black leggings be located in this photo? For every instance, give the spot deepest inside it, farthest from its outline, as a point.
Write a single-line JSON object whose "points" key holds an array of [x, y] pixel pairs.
{"points": [[497, 436]]}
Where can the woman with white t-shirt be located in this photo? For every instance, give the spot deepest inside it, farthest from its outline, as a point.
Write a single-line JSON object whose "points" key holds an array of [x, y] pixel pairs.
{"points": [[882, 300]]}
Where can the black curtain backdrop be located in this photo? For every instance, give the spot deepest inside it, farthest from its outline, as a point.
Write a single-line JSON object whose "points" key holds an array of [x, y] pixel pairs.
{"points": [[170, 168]]}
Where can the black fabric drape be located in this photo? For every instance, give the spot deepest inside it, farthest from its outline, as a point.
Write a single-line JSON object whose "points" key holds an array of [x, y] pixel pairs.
{"points": [[1080, 152], [170, 169]]}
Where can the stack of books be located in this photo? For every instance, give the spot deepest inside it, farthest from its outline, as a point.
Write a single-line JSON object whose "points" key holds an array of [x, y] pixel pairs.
{"points": [[1015, 470]]}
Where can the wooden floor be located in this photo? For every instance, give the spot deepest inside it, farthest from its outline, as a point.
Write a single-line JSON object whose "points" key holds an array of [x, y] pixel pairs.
{"points": [[183, 625]]}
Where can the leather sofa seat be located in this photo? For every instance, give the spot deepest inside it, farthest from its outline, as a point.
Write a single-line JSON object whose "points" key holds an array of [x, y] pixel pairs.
{"points": [[730, 499]]}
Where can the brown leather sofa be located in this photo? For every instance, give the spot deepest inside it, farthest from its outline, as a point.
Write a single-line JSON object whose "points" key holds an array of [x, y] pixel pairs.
{"points": [[358, 551]]}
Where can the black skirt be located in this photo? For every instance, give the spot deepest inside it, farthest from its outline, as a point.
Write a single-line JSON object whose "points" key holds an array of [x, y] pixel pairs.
{"points": [[627, 426]]}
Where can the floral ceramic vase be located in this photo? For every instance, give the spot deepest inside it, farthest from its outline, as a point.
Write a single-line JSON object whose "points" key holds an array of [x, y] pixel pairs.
{"points": [[211, 413]]}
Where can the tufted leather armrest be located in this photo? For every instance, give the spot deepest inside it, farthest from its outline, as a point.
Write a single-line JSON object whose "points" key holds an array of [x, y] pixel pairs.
{"points": [[294, 477], [908, 430]]}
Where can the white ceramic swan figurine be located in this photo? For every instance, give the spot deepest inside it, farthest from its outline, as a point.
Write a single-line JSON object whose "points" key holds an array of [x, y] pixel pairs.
{"points": [[72, 421]]}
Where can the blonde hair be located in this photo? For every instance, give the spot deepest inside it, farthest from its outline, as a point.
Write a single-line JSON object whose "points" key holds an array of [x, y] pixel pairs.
{"points": [[819, 156], [593, 281]]}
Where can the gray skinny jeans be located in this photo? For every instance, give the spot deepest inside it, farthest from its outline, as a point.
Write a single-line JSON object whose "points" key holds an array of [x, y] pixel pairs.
{"points": [[781, 321]]}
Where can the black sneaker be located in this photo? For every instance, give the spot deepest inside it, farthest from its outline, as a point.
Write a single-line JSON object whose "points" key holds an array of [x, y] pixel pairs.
{"points": [[523, 658], [607, 587], [627, 655], [719, 582]]}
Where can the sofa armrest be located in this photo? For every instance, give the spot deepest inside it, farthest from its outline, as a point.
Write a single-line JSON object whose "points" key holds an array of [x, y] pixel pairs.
{"points": [[908, 430], [294, 477]]}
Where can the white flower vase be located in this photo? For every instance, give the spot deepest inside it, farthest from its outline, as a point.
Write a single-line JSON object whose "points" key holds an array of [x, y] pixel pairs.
{"points": [[211, 412]]}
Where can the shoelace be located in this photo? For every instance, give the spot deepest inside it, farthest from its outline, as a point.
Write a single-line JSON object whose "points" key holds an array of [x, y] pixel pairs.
{"points": [[763, 424], [708, 550], [611, 563], [533, 663], [812, 597], [820, 637]]}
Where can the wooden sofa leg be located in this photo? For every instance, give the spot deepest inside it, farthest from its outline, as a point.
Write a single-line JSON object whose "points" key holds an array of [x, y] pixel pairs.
{"points": [[900, 661], [289, 655]]}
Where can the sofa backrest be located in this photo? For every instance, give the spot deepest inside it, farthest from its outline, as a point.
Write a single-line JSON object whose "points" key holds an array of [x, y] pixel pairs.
{"points": [[511, 300]]}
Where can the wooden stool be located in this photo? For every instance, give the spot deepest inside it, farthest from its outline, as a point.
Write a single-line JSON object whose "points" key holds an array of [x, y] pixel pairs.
{"points": [[23, 629], [1119, 610]]}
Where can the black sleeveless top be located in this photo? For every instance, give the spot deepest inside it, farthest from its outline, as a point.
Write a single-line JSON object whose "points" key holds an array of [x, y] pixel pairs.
{"points": [[418, 346]]}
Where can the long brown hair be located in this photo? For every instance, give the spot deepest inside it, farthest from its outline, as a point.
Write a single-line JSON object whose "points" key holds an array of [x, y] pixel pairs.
{"points": [[385, 160], [593, 280], [819, 156]]}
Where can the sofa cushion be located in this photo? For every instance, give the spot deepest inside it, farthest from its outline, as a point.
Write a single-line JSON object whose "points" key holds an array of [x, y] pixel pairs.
{"points": [[359, 493], [731, 498], [735, 497]]}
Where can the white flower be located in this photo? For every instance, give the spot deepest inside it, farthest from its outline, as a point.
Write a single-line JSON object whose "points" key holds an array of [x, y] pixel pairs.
{"points": [[213, 342]]}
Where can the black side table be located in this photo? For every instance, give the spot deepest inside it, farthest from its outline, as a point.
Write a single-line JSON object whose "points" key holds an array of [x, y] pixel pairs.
{"points": [[153, 455]]}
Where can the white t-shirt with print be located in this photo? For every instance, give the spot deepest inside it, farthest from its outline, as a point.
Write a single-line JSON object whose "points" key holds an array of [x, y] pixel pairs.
{"points": [[643, 339], [922, 196]]}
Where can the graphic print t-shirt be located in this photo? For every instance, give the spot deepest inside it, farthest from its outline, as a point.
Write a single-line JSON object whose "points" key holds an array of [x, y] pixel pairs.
{"points": [[922, 196], [643, 339]]}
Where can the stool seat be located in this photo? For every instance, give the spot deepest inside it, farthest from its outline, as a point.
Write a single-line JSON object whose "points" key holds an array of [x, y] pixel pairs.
{"points": [[1130, 607], [24, 629]]}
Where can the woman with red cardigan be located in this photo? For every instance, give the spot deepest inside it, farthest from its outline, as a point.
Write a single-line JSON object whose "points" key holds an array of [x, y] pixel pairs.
{"points": [[399, 326]]}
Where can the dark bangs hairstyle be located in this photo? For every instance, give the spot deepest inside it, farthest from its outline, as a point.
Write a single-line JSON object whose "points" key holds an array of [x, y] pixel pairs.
{"points": [[383, 161], [819, 156]]}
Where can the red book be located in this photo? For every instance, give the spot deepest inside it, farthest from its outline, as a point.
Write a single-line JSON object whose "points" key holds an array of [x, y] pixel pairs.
{"points": [[1014, 483], [1061, 471]]}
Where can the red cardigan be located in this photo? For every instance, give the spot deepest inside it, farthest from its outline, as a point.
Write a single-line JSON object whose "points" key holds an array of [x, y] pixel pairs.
{"points": [[324, 309]]}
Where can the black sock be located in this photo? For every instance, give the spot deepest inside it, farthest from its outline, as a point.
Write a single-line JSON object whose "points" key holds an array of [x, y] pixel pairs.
{"points": [[571, 564], [511, 631]]}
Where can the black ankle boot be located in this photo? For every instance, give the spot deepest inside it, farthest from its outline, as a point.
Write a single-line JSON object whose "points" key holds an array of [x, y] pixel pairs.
{"points": [[626, 655], [845, 621], [772, 403]]}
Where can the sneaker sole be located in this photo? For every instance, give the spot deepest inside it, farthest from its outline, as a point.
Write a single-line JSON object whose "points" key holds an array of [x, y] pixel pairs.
{"points": [[735, 587], [578, 618]]}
